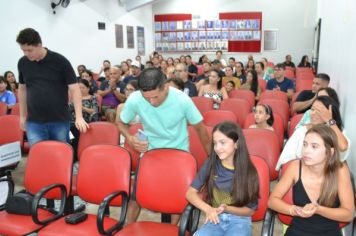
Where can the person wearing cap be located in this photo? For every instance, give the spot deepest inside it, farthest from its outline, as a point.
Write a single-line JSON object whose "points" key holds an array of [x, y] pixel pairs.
{"points": [[135, 72], [280, 82], [216, 65]]}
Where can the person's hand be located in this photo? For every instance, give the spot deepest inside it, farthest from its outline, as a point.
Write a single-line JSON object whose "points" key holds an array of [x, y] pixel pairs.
{"points": [[324, 113], [277, 88], [308, 210], [140, 146], [211, 215], [81, 125], [23, 123], [294, 210], [221, 209]]}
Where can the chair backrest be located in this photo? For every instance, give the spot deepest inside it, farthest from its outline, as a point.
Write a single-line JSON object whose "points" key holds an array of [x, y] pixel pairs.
{"points": [[203, 104], [289, 72], [274, 94], [10, 130], [248, 95], [49, 162], [135, 155], [15, 110], [264, 143], [294, 98], [196, 147], [103, 169], [293, 123], [303, 84], [164, 176], [263, 84], [305, 75], [263, 177], [3, 108], [280, 107], [240, 107], [277, 126], [212, 118], [300, 70], [98, 133]]}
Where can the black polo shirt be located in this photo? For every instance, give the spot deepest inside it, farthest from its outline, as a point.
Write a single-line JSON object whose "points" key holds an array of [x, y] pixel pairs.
{"points": [[305, 95], [47, 83]]}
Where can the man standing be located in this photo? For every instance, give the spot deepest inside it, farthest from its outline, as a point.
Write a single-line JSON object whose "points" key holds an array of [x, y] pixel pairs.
{"points": [[306, 97], [192, 69], [280, 82], [181, 72], [45, 77], [165, 113]]}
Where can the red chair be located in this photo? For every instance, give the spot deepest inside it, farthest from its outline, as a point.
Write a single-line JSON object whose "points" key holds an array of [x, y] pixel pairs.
{"points": [[301, 70], [10, 132], [303, 84], [203, 104], [103, 176], [212, 118], [248, 95], [98, 133], [289, 73], [48, 174], [277, 126], [15, 110], [280, 107], [163, 178], [293, 123], [294, 98], [239, 107], [305, 75], [263, 84], [273, 94], [196, 148], [264, 143], [263, 177], [3, 109], [135, 155]]}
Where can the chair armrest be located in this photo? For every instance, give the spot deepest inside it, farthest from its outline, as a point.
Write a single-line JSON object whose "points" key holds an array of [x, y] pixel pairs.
{"points": [[268, 223], [189, 220], [10, 191], [101, 212], [37, 198]]}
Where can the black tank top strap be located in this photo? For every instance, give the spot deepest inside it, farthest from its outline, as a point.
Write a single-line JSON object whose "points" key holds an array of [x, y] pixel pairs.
{"points": [[300, 170]]}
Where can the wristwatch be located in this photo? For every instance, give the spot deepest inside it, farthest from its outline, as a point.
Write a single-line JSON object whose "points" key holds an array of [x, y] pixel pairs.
{"points": [[331, 122]]}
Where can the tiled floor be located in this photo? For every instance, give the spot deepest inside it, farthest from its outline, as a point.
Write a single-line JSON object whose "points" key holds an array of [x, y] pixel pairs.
{"points": [[145, 214]]}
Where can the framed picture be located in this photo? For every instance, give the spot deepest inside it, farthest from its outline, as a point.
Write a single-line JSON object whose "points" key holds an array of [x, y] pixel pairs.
{"points": [[172, 46], [202, 46], [201, 24], [158, 37], [217, 35], [158, 26], [165, 36], [195, 46], [225, 24], [187, 36], [256, 35], [187, 25], [225, 35], [217, 24], [172, 36], [202, 35], [195, 24], [210, 24], [180, 36], [210, 35], [179, 25], [180, 46], [165, 25], [232, 24], [172, 25], [194, 35], [187, 46]]}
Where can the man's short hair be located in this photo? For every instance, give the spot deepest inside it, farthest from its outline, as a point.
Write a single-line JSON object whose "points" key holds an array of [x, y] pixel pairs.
{"points": [[29, 36], [324, 77], [188, 56], [232, 58], [151, 79], [216, 61], [280, 65], [184, 66]]}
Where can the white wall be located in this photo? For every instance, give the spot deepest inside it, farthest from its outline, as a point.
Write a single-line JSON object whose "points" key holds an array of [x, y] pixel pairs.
{"points": [[72, 31], [337, 57], [295, 20]]}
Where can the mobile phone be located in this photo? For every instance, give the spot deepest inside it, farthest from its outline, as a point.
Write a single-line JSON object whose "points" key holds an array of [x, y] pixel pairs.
{"points": [[141, 135]]}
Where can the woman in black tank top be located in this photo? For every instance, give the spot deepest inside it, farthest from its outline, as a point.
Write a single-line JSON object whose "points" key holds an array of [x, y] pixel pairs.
{"points": [[321, 187]]}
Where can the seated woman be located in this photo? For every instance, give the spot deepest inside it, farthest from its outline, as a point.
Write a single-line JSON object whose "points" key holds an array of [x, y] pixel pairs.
{"points": [[88, 76], [321, 187], [250, 65], [263, 117], [252, 84], [261, 73], [240, 72], [230, 77], [229, 86], [6, 96], [90, 110], [324, 111], [176, 83], [214, 89], [12, 85], [230, 198], [131, 87], [304, 62], [322, 92]]}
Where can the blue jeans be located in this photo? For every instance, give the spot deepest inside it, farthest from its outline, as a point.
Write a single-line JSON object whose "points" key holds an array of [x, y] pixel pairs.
{"points": [[38, 131], [230, 225]]}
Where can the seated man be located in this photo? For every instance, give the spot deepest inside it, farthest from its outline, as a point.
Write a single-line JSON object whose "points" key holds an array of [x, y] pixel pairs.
{"points": [[280, 82], [6, 96], [113, 93], [306, 97], [288, 62], [181, 72]]}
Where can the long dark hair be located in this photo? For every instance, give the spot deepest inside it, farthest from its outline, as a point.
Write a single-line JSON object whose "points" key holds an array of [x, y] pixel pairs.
{"points": [[269, 111], [329, 188], [220, 79], [254, 82], [332, 93], [327, 101], [245, 183]]}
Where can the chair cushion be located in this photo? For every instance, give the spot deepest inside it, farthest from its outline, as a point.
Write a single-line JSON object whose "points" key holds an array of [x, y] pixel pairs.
{"points": [[73, 191], [85, 228], [11, 224], [149, 229]]}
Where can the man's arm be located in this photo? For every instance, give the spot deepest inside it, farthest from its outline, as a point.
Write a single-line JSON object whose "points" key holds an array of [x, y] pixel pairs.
{"points": [[121, 97], [77, 101], [203, 136], [103, 93], [300, 106], [290, 93], [23, 105]]}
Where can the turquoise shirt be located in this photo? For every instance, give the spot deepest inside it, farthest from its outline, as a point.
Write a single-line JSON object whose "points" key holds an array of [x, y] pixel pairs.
{"points": [[304, 121], [165, 125]]}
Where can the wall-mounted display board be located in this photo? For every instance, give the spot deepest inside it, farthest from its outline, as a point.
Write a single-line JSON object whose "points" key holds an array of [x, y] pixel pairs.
{"points": [[235, 32]]}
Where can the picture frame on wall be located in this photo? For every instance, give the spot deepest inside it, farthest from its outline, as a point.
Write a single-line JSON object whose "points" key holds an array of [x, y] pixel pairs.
{"points": [[180, 36], [256, 35], [187, 25], [225, 24], [130, 36], [165, 36], [232, 24], [172, 36], [179, 25], [201, 24], [172, 46], [180, 46], [210, 35], [187, 46], [209, 24], [165, 25], [172, 25], [217, 24], [195, 46], [187, 36], [202, 46], [195, 24], [202, 35], [157, 37], [194, 35], [158, 26], [225, 35]]}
